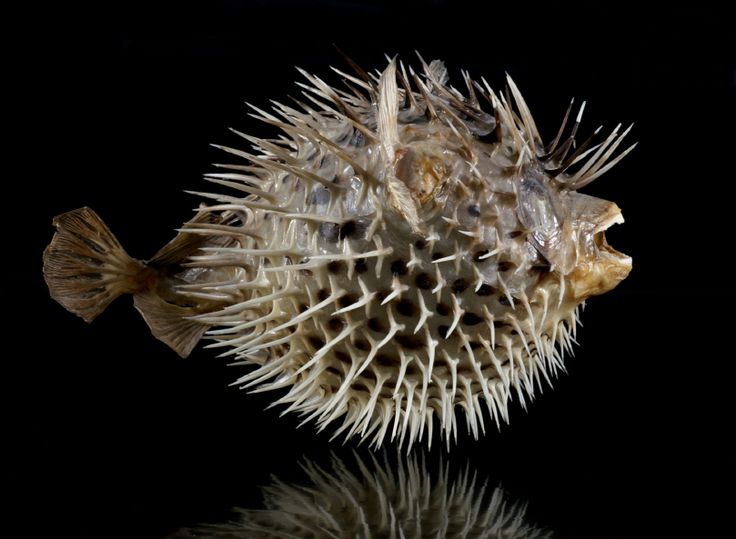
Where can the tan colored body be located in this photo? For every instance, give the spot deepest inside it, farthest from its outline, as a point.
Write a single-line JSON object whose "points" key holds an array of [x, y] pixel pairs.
{"points": [[398, 255]]}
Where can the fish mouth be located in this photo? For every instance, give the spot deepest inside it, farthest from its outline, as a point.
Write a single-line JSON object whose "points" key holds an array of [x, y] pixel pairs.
{"points": [[612, 217], [603, 267]]}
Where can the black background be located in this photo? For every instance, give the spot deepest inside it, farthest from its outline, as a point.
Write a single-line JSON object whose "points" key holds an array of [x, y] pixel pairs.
{"points": [[112, 435]]}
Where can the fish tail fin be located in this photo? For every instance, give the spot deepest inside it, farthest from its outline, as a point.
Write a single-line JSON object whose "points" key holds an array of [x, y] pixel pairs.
{"points": [[85, 266]]}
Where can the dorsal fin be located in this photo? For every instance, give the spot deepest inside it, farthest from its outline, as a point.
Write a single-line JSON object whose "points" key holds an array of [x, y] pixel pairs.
{"points": [[399, 195]]}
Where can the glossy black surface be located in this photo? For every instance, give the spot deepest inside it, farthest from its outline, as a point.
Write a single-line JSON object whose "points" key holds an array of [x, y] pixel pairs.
{"points": [[112, 435]]}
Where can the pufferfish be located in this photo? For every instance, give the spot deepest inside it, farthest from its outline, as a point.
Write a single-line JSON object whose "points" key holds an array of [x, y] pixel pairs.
{"points": [[398, 256]]}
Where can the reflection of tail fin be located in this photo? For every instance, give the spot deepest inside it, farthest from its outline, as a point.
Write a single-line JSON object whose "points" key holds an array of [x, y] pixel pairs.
{"points": [[85, 267]]}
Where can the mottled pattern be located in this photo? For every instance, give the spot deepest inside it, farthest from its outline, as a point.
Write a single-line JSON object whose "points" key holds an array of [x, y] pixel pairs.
{"points": [[401, 253]]}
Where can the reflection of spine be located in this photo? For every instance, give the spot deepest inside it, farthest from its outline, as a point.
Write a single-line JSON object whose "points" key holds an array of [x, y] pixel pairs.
{"points": [[379, 501]]}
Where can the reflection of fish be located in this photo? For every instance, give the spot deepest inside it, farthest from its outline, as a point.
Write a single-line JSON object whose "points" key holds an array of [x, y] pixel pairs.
{"points": [[378, 501], [397, 253]]}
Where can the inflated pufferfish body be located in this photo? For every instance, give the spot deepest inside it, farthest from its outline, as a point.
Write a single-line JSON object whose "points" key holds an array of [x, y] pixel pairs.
{"points": [[397, 253]]}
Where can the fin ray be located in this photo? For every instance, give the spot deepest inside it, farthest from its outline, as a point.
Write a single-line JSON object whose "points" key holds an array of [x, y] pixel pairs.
{"points": [[85, 267], [169, 322], [186, 244]]}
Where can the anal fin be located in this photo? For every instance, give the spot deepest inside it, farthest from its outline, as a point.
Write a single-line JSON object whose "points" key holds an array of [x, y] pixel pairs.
{"points": [[169, 322]]}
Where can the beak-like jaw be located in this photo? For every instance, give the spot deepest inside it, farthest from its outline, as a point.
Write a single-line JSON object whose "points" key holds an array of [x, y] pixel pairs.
{"points": [[603, 267]]}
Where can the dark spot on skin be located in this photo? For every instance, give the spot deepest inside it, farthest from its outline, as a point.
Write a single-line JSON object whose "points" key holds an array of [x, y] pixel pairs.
{"points": [[320, 196], [360, 265], [412, 369], [303, 307], [515, 233], [478, 254], [334, 370], [437, 256], [464, 370], [347, 299], [358, 139], [503, 300], [348, 230], [343, 356], [375, 324], [405, 307], [423, 281], [443, 330], [323, 294], [316, 342], [459, 285], [474, 210], [505, 199], [474, 345], [505, 266], [442, 309], [362, 344], [410, 342], [384, 360], [398, 267], [329, 231], [489, 137], [336, 266], [382, 294], [513, 332], [497, 324], [471, 319], [485, 290], [420, 244], [336, 324]]}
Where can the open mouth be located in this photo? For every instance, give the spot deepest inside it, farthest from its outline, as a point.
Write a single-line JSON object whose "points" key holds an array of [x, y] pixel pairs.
{"points": [[613, 218]]}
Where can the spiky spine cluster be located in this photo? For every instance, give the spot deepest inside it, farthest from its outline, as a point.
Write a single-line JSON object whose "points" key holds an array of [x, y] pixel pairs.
{"points": [[381, 501], [385, 278]]}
